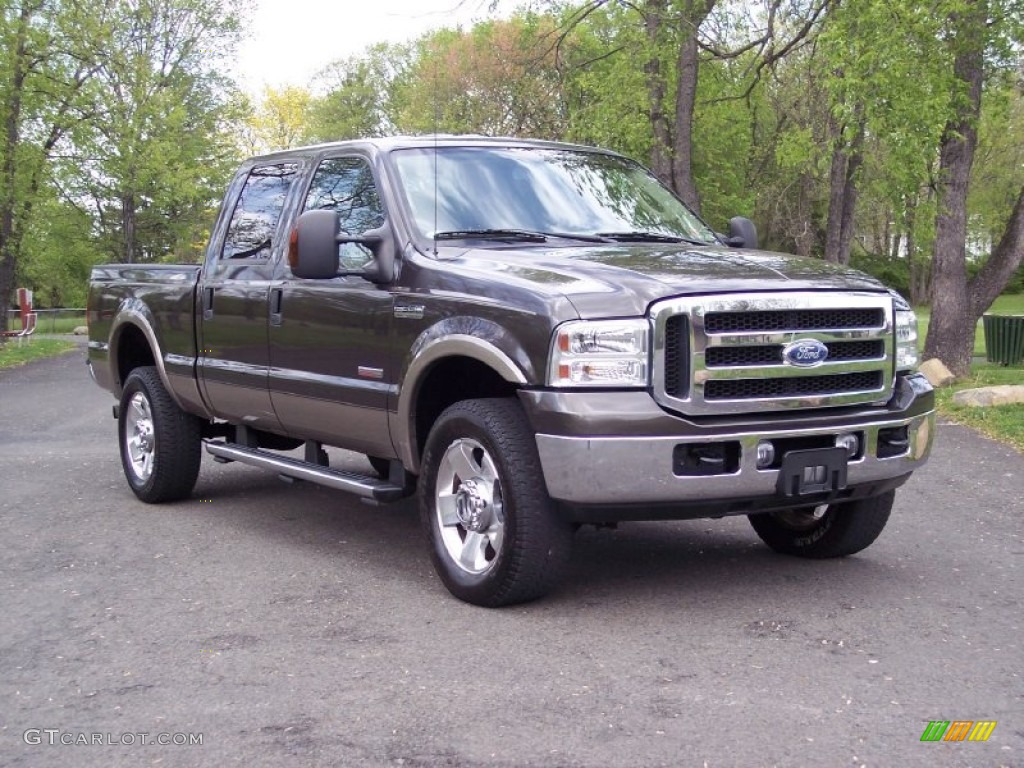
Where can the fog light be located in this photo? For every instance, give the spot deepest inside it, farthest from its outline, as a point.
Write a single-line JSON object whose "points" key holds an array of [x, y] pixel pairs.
{"points": [[765, 454], [850, 443]]}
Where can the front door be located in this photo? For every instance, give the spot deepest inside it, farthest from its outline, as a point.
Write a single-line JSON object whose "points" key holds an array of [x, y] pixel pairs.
{"points": [[331, 367]]}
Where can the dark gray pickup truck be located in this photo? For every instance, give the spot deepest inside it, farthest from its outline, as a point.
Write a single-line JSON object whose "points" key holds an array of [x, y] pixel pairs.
{"points": [[528, 336]]}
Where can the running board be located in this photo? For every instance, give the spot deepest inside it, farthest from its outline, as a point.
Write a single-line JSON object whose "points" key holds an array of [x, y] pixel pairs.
{"points": [[361, 485]]}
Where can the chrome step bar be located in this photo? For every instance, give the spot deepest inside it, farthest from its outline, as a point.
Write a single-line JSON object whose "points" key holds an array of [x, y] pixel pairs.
{"points": [[361, 485]]}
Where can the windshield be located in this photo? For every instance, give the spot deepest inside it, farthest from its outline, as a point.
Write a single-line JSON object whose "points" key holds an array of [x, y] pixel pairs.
{"points": [[557, 192]]}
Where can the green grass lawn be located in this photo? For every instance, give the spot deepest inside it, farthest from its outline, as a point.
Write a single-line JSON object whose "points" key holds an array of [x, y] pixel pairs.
{"points": [[1002, 422], [1004, 305], [12, 353], [51, 320]]}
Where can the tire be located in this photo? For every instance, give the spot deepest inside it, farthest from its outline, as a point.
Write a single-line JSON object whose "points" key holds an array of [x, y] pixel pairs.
{"points": [[497, 540], [160, 443], [836, 530]]}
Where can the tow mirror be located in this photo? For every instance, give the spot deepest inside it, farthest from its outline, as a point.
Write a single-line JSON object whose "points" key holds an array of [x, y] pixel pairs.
{"points": [[742, 233], [313, 252]]}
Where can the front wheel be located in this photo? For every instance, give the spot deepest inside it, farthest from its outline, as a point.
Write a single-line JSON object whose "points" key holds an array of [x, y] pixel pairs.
{"points": [[829, 530], [160, 443], [495, 536]]}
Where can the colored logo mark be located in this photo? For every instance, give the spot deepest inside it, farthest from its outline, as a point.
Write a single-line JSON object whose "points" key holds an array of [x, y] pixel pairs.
{"points": [[958, 730], [805, 353]]}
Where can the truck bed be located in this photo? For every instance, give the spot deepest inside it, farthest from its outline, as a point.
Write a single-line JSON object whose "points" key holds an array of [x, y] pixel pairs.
{"points": [[160, 298]]}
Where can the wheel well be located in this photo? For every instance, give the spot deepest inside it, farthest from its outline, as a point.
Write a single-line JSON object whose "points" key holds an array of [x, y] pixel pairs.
{"points": [[449, 381], [132, 352]]}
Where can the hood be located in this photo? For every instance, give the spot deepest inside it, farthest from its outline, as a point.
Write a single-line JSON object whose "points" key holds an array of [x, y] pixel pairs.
{"points": [[622, 281]]}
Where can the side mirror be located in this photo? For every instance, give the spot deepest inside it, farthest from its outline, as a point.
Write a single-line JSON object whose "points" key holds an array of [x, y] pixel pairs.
{"points": [[313, 252], [742, 233]]}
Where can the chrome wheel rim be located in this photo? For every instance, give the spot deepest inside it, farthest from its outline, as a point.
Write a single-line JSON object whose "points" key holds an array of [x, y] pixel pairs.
{"points": [[802, 519], [139, 437], [469, 506]]}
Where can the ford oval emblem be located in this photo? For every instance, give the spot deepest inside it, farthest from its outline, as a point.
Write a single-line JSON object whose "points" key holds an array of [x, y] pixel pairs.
{"points": [[805, 353]]}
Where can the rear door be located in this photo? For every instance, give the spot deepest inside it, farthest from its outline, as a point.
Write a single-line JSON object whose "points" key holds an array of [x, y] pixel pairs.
{"points": [[331, 368], [233, 298]]}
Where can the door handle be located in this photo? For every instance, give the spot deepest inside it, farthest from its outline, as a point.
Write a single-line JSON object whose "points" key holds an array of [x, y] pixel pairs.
{"points": [[276, 298], [207, 303]]}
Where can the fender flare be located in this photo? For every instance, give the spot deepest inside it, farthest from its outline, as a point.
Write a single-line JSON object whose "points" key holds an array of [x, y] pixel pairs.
{"points": [[134, 313], [436, 349]]}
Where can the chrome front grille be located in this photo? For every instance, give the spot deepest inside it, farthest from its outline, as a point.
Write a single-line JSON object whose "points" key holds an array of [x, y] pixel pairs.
{"points": [[746, 321], [771, 354], [724, 354]]}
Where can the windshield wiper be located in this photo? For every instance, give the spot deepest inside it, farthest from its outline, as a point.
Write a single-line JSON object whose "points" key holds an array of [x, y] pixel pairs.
{"points": [[528, 235], [492, 234], [650, 237]]}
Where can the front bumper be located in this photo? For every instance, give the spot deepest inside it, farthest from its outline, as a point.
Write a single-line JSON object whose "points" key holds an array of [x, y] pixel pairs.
{"points": [[608, 457], [639, 470]]}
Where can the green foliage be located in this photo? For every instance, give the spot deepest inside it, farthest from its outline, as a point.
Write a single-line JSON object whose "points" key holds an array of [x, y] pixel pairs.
{"points": [[127, 135], [279, 119], [606, 97], [1002, 422], [362, 95], [60, 252], [14, 352], [498, 79], [113, 146]]}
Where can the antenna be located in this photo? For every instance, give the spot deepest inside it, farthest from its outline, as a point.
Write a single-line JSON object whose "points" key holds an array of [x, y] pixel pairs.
{"points": [[436, 121]]}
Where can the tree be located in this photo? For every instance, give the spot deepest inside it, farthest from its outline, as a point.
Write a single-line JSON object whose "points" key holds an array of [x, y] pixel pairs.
{"points": [[976, 30], [361, 95], [279, 120], [500, 78], [44, 67], [153, 158]]}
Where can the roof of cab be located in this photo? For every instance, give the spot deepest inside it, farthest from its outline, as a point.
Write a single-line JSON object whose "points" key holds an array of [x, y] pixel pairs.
{"points": [[388, 143]]}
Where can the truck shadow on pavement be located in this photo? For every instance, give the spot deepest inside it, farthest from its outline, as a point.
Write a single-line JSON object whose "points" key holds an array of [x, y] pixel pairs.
{"points": [[700, 562]]}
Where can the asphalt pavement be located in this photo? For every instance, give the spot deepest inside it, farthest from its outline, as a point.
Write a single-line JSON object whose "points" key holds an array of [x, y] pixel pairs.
{"points": [[286, 625]]}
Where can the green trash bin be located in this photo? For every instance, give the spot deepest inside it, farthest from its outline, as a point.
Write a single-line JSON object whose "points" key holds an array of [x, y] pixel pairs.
{"points": [[1004, 338]]}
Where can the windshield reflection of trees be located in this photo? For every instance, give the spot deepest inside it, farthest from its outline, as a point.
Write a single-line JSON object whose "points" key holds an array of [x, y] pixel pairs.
{"points": [[541, 190]]}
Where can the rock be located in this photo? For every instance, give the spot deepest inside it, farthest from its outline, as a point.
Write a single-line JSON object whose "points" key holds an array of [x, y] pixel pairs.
{"points": [[937, 373], [81, 330], [1006, 394]]}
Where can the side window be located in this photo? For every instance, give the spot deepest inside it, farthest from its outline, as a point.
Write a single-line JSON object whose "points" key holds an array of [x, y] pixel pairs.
{"points": [[254, 221], [345, 184]]}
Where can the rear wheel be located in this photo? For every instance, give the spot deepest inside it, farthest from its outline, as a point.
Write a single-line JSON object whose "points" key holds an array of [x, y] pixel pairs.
{"points": [[829, 530], [495, 536], [160, 443]]}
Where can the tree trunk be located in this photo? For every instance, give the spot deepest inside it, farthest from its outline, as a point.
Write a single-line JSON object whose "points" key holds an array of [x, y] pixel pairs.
{"points": [[672, 153], [842, 199], [836, 190], [951, 332], [128, 226], [661, 157], [850, 194], [10, 234], [1002, 264], [803, 233], [686, 98]]}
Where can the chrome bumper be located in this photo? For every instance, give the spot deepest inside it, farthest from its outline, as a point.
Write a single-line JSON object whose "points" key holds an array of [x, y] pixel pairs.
{"points": [[639, 470]]}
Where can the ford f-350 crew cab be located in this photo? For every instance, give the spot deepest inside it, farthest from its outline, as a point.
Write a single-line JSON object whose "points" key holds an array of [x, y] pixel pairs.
{"points": [[528, 336]]}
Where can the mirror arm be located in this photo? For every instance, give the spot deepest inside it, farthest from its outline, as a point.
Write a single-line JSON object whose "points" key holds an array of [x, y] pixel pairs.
{"points": [[381, 242]]}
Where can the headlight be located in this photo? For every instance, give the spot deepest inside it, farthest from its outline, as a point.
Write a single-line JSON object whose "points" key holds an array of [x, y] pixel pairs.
{"points": [[906, 335], [599, 353]]}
